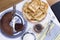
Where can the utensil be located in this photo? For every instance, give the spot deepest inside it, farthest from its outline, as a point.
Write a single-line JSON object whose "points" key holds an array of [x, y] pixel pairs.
{"points": [[49, 26], [14, 9]]}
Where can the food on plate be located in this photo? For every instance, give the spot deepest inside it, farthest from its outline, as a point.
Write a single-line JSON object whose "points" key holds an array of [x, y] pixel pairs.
{"points": [[5, 21], [38, 28], [19, 27], [35, 10]]}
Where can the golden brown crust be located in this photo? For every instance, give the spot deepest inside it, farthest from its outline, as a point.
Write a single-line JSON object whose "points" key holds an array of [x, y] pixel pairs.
{"points": [[35, 10]]}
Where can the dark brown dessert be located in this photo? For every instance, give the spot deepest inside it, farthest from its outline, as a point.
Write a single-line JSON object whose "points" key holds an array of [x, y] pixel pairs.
{"points": [[5, 23], [38, 28], [19, 27]]}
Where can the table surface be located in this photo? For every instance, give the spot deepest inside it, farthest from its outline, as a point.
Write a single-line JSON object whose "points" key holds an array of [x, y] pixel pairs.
{"points": [[51, 2], [4, 4], [50, 16]]}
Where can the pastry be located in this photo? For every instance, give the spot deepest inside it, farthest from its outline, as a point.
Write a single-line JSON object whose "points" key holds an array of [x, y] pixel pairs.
{"points": [[35, 10]]}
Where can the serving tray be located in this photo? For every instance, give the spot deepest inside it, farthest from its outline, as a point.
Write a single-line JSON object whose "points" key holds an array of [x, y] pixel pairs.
{"points": [[30, 25]]}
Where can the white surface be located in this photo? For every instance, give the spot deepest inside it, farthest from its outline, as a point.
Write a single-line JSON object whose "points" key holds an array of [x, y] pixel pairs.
{"points": [[29, 37], [50, 15]]}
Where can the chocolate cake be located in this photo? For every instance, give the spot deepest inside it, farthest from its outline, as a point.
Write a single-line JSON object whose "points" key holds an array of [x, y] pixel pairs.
{"points": [[19, 27], [5, 23]]}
